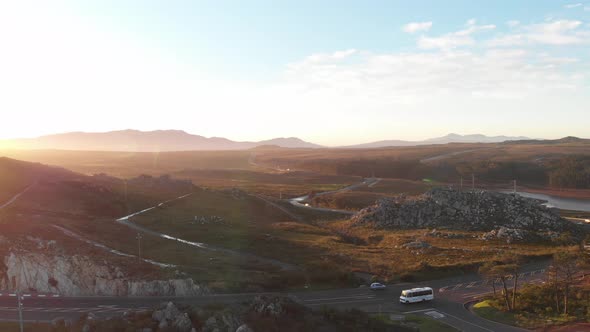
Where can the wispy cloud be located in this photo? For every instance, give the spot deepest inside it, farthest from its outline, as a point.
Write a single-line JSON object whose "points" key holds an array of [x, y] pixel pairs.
{"points": [[411, 78], [572, 5], [417, 27], [560, 32], [454, 39]]}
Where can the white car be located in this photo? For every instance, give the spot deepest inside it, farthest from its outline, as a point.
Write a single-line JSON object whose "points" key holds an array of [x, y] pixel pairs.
{"points": [[377, 286]]}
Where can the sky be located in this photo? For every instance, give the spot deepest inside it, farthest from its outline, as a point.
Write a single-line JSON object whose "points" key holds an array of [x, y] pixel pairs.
{"points": [[330, 72]]}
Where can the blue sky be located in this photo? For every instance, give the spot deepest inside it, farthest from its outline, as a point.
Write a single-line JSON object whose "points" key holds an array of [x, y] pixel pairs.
{"points": [[332, 72], [250, 37]]}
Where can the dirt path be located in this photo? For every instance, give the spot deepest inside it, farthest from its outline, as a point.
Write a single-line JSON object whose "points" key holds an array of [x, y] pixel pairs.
{"points": [[450, 154], [15, 197], [105, 248]]}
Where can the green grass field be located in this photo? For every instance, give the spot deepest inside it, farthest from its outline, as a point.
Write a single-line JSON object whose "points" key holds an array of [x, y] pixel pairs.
{"points": [[487, 311]]}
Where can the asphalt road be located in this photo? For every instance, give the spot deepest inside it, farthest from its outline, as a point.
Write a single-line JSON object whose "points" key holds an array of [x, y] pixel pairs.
{"points": [[448, 306], [297, 201]]}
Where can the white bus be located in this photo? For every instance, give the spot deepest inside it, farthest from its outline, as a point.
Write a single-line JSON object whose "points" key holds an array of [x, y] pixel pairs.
{"points": [[416, 295]]}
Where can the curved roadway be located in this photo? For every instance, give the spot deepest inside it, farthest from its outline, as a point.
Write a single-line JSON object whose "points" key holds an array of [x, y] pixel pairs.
{"points": [[449, 306]]}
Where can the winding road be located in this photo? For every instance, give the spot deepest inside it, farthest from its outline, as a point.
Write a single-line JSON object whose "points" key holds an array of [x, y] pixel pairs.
{"points": [[452, 297], [450, 306], [298, 201]]}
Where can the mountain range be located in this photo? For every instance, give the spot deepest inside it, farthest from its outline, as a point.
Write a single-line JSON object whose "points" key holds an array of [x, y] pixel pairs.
{"points": [[146, 141], [450, 138], [177, 140]]}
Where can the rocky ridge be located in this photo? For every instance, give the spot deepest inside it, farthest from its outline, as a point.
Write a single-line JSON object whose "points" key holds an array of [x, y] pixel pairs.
{"points": [[81, 275], [504, 216]]}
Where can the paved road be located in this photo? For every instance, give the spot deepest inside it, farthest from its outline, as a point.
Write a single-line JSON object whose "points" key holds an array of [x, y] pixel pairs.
{"points": [[297, 201], [450, 296]]}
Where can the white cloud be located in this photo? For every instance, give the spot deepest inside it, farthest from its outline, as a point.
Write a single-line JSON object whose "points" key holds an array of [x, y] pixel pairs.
{"points": [[454, 39], [560, 32], [417, 27], [572, 5], [413, 78]]}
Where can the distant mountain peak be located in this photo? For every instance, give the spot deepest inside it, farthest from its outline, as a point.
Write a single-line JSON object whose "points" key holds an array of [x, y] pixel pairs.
{"points": [[147, 141]]}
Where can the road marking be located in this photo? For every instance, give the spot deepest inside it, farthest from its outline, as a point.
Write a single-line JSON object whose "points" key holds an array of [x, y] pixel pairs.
{"points": [[343, 302], [27, 295], [521, 275], [342, 298], [42, 295], [474, 294], [443, 289], [464, 321], [471, 285], [435, 314], [12, 295], [457, 286], [416, 311], [55, 295]]}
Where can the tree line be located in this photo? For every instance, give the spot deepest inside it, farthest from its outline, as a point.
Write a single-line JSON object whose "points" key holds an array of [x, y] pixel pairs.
{"points": [[561, 293]]}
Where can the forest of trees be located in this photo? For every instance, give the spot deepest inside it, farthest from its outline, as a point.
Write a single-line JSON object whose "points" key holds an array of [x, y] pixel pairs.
{"points": [[564, 172], [571, 172]]}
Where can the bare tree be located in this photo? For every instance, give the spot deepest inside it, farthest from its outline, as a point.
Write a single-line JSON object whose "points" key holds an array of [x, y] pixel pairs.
{"points": [[487, 271], [553, 281], [513, 264], [566, 265], [504, 271]]}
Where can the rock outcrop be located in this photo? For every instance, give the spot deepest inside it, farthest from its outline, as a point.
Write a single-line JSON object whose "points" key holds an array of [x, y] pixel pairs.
{"points": [[169, 316], [510, 216], [80, 275]]}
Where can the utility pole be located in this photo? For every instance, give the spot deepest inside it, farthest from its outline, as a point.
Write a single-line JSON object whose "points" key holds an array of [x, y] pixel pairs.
{"points": [[461, 185], [514, 181], [139, 237], [473, 181], [20, 311], [126, 205]]}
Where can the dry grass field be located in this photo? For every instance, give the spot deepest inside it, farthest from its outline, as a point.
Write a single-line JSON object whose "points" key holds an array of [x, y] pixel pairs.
{"points": [[235, 219]]}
